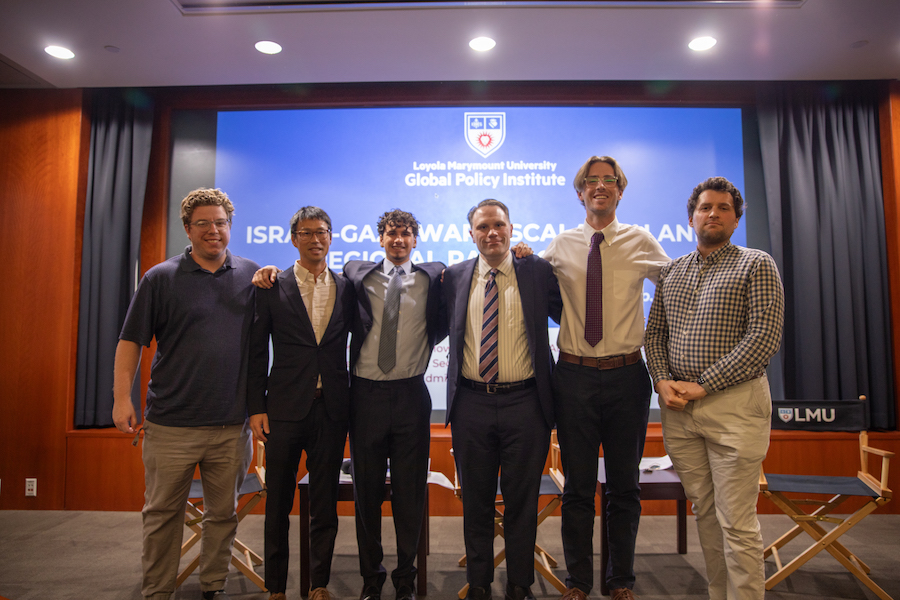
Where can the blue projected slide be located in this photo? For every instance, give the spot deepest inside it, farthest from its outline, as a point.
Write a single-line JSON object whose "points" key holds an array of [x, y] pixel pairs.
{"points": [[439, 162]]}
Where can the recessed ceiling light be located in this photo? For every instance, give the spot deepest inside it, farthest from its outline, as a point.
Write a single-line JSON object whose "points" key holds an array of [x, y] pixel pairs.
{"points": [[702, 43], [268, 47], [482, 44], [59, 52]]}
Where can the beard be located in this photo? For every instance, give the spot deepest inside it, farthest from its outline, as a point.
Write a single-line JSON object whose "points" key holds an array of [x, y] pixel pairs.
{"points": [[713, 238]]}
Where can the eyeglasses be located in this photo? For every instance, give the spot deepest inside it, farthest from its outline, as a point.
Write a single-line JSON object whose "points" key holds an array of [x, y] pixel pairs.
{"points": [[304, 235], [608, 181], [206, 225]]}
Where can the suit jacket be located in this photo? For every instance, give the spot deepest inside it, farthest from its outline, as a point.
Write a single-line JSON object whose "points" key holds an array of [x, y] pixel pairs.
{"points": [[435, 314], [287, 392], [541, 299]]}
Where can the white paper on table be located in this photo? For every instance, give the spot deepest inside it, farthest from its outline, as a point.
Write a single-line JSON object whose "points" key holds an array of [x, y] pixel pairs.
{"points": [[655, 463], [438, 478]]}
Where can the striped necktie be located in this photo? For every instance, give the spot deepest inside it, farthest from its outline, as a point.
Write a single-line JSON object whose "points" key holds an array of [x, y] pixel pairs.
{"points": [[593, 314], [489, 367], [390, 321]]}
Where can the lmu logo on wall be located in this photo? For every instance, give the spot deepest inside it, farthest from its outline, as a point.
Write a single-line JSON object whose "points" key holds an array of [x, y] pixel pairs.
{"points": [[485, 131]]}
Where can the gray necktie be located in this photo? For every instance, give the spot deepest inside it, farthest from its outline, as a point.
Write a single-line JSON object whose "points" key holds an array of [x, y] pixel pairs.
{"points": [[390, 320]]}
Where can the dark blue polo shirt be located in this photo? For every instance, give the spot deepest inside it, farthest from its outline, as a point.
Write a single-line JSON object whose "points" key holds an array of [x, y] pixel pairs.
{"points": [[201, 322]]}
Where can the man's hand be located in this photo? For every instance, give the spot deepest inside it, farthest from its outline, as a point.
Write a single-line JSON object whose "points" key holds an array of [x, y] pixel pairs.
{"points": [[265, 277], [259, 425], [124, 416], [522, 250], [672, 394], [128, 357], [692, 390]]}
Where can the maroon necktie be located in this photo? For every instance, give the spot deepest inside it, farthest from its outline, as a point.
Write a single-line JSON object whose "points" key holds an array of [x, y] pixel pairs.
{"points": [[593, 314]]}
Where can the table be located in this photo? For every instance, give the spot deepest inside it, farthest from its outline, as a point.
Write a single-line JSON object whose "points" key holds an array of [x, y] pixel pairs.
{"points": [[345, 494], [655, 485]]}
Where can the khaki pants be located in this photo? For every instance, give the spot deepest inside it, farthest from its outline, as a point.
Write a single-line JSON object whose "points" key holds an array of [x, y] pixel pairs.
{"points": [[170, 455], [717, 445]]}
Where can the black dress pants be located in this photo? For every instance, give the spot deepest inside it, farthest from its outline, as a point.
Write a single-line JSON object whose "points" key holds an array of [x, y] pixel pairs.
{"points": [[389, 420], [323, 440], [503, 433]]}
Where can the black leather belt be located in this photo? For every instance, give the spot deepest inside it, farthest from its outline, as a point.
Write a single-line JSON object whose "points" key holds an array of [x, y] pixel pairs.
{"points": [[602, 363], [499, 388]]}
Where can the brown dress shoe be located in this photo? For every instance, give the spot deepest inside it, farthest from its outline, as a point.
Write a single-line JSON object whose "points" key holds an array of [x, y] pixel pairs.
{"points": [[320, 593], [621, 594], [277, 596], [574, 594]]}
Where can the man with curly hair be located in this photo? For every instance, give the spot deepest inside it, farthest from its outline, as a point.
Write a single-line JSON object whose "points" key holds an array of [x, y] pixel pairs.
{"points": [[401, 318], [716, 320], [198, 307]]}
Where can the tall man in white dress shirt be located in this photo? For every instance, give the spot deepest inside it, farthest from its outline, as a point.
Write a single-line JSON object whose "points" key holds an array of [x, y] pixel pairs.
{"points": [[716, 320], [601, 386]]}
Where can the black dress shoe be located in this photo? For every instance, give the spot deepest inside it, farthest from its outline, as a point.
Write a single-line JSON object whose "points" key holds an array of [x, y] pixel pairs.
{"points": [[517, 592], [406, 592], [478, 593], [370, 592]]}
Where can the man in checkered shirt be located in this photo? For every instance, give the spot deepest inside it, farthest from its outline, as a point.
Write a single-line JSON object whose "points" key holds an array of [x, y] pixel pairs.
{"points": [[716, 320]]}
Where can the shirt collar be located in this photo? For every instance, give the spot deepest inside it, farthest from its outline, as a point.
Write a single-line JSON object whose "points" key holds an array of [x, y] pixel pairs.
{"points": [[302, 273], [387, 266], [189, 264], [505, 267], [716, 255], [609, 232]]}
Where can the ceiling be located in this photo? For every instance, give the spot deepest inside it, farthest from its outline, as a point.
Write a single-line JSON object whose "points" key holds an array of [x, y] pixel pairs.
{"points": [[178, 43]]}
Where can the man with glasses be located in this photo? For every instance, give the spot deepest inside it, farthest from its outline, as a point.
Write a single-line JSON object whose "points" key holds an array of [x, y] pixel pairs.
{"points": [[601, 386], [303, 403], [198, 307]]}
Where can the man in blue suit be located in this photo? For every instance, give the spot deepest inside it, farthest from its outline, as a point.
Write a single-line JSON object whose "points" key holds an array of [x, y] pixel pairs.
{"points": [[304, 403], [499, 398], [401, 317]]}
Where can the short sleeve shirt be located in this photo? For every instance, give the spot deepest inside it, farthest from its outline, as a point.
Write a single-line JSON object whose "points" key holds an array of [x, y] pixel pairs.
{"points": [[201, 323]]}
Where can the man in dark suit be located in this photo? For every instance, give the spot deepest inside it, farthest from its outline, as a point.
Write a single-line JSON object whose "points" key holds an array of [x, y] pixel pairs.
{"points": [[304, 403], [401, 317], [499, 398]]}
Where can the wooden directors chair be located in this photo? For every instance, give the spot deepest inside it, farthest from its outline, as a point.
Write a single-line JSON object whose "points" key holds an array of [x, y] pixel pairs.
{"points": [[875, 491], [243, 558], [551, 486]]}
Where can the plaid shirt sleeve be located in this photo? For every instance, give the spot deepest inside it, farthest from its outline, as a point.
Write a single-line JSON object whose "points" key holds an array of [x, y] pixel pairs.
{"points": [[718, 319], [656, 338]]}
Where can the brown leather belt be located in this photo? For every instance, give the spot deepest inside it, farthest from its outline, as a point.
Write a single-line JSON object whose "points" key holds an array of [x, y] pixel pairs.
{"points": [[498, 388], [604, 362]]}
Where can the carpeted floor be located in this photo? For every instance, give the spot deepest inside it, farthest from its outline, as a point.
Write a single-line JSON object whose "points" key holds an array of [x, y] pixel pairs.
{"points": [[96, 556]]}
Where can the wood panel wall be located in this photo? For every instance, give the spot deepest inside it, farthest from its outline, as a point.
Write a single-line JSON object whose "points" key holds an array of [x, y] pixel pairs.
{"points": [[43, 159], [42, 175]]}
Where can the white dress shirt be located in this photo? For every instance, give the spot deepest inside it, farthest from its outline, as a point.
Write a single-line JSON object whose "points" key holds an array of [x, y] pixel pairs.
{"points": [[513, 354], [630, 254], [318, 295], [412, 337]]}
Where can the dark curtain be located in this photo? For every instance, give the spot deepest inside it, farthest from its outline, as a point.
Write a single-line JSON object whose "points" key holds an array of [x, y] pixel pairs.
{"points": [[121, 127], [822, 174]]}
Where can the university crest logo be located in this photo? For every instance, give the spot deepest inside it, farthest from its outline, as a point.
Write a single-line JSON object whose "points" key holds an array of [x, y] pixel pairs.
{"points": [[786, 414], [485, 131]]}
